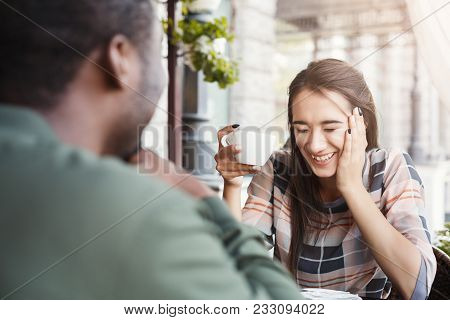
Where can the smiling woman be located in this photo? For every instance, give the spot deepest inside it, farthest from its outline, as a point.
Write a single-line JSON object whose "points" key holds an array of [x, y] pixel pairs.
{"points": [[344, 213]]}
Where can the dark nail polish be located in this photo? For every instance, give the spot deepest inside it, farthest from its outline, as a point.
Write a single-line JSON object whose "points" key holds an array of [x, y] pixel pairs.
{"points": [[349, 131], [234, 126], [359, 111]]}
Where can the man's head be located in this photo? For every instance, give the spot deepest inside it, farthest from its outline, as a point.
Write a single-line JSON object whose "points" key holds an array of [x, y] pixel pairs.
{"points": [[98, 61]]}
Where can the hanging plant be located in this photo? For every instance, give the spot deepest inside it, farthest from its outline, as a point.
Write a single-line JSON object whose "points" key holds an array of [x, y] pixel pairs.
{"points": [[203, 45], [443, 239]]}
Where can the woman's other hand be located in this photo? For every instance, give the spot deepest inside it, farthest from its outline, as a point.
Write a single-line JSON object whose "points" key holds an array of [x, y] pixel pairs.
{"points": [[231, 170]]}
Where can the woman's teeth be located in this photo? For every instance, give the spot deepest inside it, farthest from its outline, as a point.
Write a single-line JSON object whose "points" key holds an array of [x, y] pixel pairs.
{"points": [[323, 158]]}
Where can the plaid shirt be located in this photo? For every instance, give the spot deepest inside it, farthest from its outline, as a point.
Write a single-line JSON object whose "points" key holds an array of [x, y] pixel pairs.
{"points": [[335, 256]]}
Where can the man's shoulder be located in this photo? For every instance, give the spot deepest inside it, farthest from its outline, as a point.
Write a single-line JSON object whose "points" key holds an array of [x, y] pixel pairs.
{"points": [[121, 224], [117, 180], [52, 172]]}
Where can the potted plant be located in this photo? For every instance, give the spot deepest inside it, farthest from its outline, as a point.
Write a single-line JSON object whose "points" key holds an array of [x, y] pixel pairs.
{"points": [[201, 6], [203, 44]]}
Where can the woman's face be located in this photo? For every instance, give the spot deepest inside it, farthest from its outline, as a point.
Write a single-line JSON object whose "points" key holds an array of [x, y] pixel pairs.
{"points": [[320, 119]]}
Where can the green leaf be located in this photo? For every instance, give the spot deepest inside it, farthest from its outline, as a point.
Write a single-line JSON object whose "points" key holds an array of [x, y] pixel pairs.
{"points": [[201, 53]]}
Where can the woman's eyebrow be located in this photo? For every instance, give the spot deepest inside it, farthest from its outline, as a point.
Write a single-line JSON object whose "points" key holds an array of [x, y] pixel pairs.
{"points": [[323, 122], [331, 122]]}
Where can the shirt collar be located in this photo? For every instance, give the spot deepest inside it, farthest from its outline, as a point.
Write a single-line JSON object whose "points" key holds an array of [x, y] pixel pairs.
{"points": [[23, 120]]}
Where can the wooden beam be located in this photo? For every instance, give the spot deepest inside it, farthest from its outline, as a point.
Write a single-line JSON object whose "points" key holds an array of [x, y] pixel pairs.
{"points": [[174, 121]]}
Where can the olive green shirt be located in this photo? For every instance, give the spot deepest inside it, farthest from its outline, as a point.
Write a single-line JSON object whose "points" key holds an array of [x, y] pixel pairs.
{"points": [[77, 226]]}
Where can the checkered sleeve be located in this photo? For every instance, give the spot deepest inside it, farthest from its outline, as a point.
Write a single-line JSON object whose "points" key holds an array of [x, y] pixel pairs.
{"points": [[258, 210], [403, 203]]}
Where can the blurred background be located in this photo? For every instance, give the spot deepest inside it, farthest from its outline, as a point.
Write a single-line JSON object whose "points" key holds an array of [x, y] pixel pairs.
{"points": [[401, 46]]}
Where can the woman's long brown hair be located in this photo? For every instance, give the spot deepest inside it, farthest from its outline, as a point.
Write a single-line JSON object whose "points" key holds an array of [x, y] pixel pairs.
{"points": [[303, 188]]}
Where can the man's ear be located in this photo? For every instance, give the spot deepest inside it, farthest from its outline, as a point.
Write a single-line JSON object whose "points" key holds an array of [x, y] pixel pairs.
{"points": [[120, 58]]}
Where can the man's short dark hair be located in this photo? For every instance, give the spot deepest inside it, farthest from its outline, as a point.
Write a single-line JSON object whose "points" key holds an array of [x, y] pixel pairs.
{"points": [[35, 67]]}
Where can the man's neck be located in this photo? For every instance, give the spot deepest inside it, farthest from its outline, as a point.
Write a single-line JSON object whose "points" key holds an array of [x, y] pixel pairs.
{"points": [[76, 126]]}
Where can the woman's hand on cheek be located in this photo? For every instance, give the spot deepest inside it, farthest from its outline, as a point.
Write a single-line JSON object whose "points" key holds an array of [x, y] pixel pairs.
{"points": [[351, 161]]}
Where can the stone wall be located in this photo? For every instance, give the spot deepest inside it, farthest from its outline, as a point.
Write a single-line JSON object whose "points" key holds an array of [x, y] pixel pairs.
{"points": [[252, 99]]}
